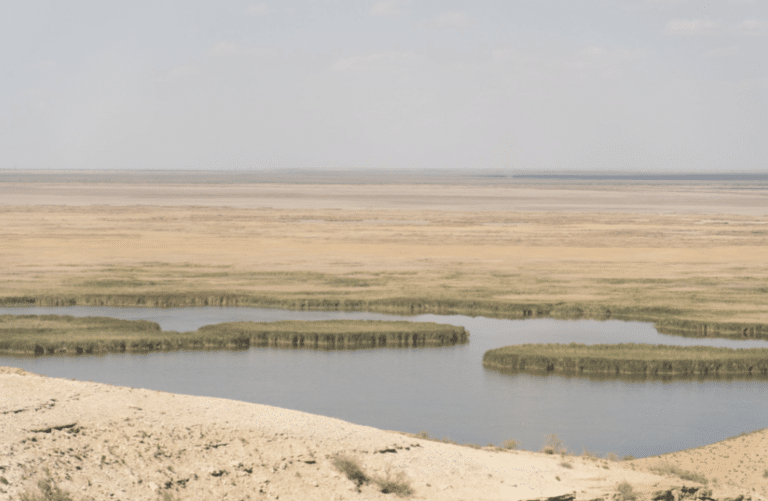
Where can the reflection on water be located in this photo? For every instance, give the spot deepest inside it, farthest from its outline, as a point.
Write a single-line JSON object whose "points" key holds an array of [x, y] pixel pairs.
{"points": [[638, 378], [443, 390]]}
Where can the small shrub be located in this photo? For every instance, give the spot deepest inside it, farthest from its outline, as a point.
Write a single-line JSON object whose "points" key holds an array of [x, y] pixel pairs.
{"points": [[510, 444], [48, 491], [394, 484], [628, 457], [765, 473], [626, 491], [566, 464], [553, 445], [423, 434], [3, 481], [351, 468], [611, 457], [587, 454]]}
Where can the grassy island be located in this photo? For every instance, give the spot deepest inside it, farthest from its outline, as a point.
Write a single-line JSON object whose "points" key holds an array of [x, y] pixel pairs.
{"points": [[40, 334], [629, 358]]}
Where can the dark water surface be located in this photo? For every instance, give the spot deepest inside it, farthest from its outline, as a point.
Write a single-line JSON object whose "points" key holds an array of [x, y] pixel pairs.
{"points": [[445, 391]]}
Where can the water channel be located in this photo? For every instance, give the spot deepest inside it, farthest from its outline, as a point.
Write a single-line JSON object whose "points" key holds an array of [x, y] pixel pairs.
{"points": [[444, 391]]}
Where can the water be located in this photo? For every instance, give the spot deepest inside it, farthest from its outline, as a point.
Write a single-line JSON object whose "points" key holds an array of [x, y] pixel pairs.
{"points": [[444, 391]]}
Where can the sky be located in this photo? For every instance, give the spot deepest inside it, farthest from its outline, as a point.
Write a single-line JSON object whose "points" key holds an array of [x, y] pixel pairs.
{"points": [[567, 85]]}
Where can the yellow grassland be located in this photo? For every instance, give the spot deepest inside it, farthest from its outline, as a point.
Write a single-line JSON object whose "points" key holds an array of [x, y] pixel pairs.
{"points": [[576, 247]]}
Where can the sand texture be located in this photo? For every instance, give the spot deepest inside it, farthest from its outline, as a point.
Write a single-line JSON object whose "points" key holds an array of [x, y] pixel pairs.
{"points": [[98, 441]]}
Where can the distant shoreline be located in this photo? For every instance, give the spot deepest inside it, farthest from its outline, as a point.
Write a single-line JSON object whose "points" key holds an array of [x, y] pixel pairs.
{"points": [[361, 176]]}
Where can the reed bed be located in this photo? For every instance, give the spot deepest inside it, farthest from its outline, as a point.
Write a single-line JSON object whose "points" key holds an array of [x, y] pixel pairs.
{"points": [[41, 334], [334, 334], [629, 358], [665, 320]]}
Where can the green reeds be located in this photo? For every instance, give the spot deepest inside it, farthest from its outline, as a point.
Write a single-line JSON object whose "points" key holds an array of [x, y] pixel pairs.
{"points": [[333, 334], [41, 334], [630, 358]]}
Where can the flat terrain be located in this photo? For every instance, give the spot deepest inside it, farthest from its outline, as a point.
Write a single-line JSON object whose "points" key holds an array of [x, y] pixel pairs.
{"points": [[654, 251], [97, 441]]}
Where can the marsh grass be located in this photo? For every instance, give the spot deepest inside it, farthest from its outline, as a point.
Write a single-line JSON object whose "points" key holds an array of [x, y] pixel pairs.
{"points": [[712, 298], [629, 358], [41, 334], [341, 333], [338, 293]]}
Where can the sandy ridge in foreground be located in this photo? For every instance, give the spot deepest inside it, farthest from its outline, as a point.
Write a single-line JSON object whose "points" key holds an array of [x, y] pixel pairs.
{"points": [[132, 444]]}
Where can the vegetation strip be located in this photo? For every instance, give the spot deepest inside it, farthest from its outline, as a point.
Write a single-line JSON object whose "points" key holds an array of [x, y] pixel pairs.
{"points": [[666, 320], [629, 359], [40, 334]]}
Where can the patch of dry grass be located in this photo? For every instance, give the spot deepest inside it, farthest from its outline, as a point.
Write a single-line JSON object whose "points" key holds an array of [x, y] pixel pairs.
{"points": [[351, 469], [670, 469], [553, 445], [389, 483]]}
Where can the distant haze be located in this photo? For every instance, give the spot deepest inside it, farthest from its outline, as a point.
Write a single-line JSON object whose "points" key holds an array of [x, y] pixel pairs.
{"points": [[656, 86]]}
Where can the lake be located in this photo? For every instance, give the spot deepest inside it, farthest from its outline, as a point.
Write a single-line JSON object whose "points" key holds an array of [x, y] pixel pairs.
{"points": [[444, 391]]}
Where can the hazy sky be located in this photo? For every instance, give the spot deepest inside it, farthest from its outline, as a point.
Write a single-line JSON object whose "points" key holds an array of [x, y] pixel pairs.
{"points": [[641, 85]]}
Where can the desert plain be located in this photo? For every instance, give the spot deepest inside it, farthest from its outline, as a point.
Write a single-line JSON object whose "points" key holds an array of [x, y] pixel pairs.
{"points": [[674, 252]]}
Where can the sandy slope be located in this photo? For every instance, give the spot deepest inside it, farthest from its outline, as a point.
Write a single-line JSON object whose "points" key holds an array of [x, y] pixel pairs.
{"points": [[741, 460], [133, 444]]}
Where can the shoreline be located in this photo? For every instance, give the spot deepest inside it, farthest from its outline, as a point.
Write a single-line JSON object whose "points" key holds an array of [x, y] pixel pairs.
{"points": [[97, 440]]}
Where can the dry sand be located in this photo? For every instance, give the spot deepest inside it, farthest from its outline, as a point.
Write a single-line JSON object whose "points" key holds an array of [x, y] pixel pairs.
{"points": [[132, 444]]}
